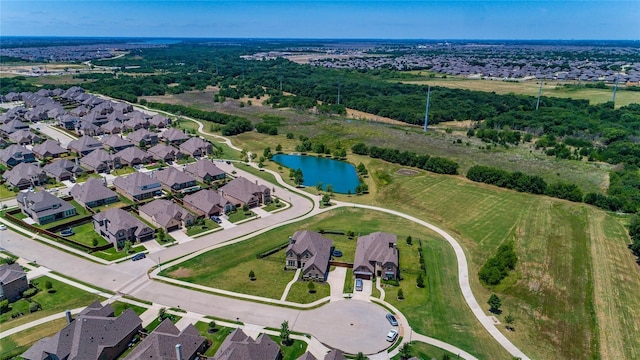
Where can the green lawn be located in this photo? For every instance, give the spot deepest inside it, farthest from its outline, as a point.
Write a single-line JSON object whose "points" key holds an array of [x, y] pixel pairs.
{"points": [[112, 254], [63, 298], [299, 292], [185, 160], [216, 337], [240, 215], [197, 229], [84, 177], [156, 322], [80, 211], [261, 174], [120, 307], [293, 351], [18, 343], [272, 206], [123, 171], [86, 234], [426, 351], [6, 193]]}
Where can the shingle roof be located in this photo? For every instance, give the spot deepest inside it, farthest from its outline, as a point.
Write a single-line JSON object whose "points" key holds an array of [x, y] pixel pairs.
{"points": [[316, 244], [239, 346], [203, 168], [335, 354], [120, 220], [307, 356], [49, 146], [161, 343], [194, 144], [13, 126], [171, 176], [137, 183], [22, 134], [92, 190], [13, 151], [162, 150], [56, 168], [131, 153], [115, 141], [10, 273], [173, 134], [140, 135], [242, 189], [43, 203], [162, 211], [85, 143], [205, 200], [96, 158], [22, 171], [375, 247]]}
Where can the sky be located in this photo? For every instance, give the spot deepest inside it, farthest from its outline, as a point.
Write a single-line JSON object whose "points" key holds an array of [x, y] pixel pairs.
{"points": [[394, 19]]}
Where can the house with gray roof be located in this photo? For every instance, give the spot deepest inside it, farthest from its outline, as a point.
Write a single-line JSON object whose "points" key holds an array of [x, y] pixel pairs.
{"points": [[15, 154], [112, 127], [159, 121], [68, 121], [311, 252], [13, 282], [25, 137], [86, 128], [174, 136], [137, 186], [335, 354], [63, 169], [84, 145], [166, 214], [13, 126], [196, 147], [136, 123], [208, 203], [100, 161], [24, 176], [95, 334], [93, 193], [116, 143], [49, 149], [376, 255], [307, 356], [173, 179], [205, 170], [79, 111], [240, 346], [163, 152], [143, 137], [43, 207], [241, 191], [133, 156], [161, 343], [96, 118], [117, 226]]}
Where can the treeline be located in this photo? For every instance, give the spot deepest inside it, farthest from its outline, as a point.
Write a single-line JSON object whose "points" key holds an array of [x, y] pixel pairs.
{"points": [[408, 158], [212, 116], [498, 266], [634, 233]]}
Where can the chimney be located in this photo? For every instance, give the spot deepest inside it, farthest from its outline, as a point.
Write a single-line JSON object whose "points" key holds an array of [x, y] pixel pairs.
{"points": [[104, 178], [178, 352], [256, 182], [67, 313], [76, 161], [292, 240]]}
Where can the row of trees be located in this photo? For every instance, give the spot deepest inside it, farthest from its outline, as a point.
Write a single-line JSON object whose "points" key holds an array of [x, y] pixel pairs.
{"points": [[408, 158], [498, 266]]}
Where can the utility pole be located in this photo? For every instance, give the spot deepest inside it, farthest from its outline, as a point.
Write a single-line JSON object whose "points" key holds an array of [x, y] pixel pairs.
{"points": [[339, 85], [426, 115], [539, 93], [615, 89]]}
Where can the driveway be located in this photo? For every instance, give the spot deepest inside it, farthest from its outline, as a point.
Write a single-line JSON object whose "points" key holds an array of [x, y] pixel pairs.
{"points": [[367, 287], [336, 282]]}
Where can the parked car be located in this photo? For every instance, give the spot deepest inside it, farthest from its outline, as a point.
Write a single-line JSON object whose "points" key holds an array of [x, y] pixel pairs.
{"points": [[228, 162], [337, 253], [67, 232], [216, 219], [392, 320], [358, 284], [2, 227], [392, 335], [138, 256]]}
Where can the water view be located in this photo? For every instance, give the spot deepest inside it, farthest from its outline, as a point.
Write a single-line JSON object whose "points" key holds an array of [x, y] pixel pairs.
{"points": [[341, 175]]}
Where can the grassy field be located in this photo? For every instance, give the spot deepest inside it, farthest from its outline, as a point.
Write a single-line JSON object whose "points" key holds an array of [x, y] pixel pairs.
{"points": [[550, 88], [426, 351], [299, 292], [63, 298], [16, 344], [228, 268], [574, 274]]}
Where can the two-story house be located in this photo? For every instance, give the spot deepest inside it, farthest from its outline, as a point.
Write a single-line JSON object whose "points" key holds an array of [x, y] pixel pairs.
{"points": [[138, 186], [376, 255], [43, 207], [117, 226], [311, 252]]}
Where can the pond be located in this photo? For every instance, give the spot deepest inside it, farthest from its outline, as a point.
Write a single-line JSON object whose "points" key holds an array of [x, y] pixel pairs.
{"points": [[341, 175]]}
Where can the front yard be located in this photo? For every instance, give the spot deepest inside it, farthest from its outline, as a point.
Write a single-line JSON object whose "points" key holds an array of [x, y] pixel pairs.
{"points": [[299, 292], [239, 215], [112, 254], [200, 228], [85, 234], [216, 337], [123, 171]]}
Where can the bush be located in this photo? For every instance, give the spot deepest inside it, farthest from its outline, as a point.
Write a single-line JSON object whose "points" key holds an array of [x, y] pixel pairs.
{"points": [[252, 275], [29, 292], [497, 267], [420, 281], [400, 294], [34, 306], [4, 306]]}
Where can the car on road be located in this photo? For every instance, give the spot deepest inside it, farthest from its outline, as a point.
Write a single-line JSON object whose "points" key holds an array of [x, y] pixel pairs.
{"points": [[2, 227], [337, 253], [392, 335], [138, 256], [67, 232], [392, 320], [358, 284]]}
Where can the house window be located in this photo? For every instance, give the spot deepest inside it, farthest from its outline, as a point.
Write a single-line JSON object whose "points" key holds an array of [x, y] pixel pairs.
{"points": [[291, 263]]}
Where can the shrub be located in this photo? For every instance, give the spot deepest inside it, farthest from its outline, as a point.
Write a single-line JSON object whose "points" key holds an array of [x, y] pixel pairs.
{"points": [[497, 267], [420, 281], [34, 306], [252, 275], [29, 292], [4, 306], [400, 294]]}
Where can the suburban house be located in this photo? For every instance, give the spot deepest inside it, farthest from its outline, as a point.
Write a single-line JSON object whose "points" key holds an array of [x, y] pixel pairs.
{"points": [[112, 127], [335, 354], [208, 203], [159, 121], [143, 137], [239, 345], [137, 186], [79, 111], [63, 169], [13, 126], [14, 154], [174, 136], [100, 161], [175, 180], [49, 149], [133, 156], [205, 170], [163, 152], [241, 191], [118, 226], [166, 214], [87, 128], [25, 137], [93, 193], [69, 121], [116, 143], [84, 145], [376, 255], [24, 176], [196, 147], [43, 207], [13, 282], [95, 334], [136, 123], [161, 344], [311, 252]]}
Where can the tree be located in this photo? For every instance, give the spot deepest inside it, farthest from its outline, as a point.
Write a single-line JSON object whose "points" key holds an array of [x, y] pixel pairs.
{"points": [[311, 287], [446, 357], [212, 326], [252, 275], [319, 186], [400, 294], [298, 178], [326, 199], [48, 286], [360, 356], [245, 207], [161, 235], [4, 306], [278, 148], [34, 306], [420, 281], [405, 351], [509, 320], [494, 304], [162, 313], [285, 333], [330, 188], [409, 240]]}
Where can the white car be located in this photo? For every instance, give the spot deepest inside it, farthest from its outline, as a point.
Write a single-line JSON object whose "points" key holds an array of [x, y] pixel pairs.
{"points": [[2, 227], [392, 335]]}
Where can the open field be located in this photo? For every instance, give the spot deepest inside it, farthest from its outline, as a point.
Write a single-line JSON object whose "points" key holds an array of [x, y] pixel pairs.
{"points": [[228, 268], [551, 88], [18, 343], [572, 258]]}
